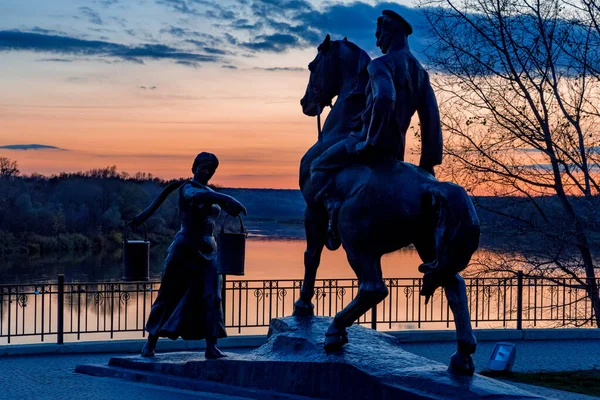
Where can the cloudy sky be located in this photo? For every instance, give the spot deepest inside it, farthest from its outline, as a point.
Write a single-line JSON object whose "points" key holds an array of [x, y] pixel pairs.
{"points": [[146, 84]]}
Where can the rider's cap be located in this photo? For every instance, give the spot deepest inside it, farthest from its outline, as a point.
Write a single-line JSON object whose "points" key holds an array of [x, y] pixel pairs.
{"points": [[398, 18]]}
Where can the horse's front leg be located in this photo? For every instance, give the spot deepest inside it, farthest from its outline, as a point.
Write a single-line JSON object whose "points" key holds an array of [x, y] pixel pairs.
{"points": [[371, 291], [315, 225], [456, 293]]}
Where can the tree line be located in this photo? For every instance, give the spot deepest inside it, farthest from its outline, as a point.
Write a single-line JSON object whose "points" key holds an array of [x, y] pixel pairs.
{"points": [[77, 211]]}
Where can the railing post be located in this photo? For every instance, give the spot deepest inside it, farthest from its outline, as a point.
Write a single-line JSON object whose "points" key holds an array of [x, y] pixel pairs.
{"points": [[520, 300], [374, 317], [223, 298], [112, 310], [60, 329]]}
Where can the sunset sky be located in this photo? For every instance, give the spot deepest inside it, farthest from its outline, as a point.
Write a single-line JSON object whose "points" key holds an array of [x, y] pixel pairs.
{"points": [[147, 84]]}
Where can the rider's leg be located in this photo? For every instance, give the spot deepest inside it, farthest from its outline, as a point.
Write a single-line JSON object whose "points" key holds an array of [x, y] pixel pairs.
{"points": [[428, 168], [323, 172]]}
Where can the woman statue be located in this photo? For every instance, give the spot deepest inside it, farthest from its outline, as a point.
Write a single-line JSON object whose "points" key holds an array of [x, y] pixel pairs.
{"points": [[188, 304]]}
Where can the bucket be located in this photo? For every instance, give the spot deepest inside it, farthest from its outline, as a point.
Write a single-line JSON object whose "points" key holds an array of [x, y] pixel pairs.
{"points": [[232, 251], [136, 257]]}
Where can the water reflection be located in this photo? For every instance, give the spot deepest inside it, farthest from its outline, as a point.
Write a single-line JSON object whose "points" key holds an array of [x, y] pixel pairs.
{"points": [[265, 259]]}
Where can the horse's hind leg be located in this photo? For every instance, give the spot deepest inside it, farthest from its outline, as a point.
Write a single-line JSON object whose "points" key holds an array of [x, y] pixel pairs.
{"points": [[315, 225], [456, 293], [371, 291]]}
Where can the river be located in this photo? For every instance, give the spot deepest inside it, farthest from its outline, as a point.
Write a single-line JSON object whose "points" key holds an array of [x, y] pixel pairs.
{"points": [[265, 259]]}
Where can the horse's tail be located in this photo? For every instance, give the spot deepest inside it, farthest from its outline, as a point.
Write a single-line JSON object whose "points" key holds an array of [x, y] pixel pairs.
{"points": [[456, 231]]}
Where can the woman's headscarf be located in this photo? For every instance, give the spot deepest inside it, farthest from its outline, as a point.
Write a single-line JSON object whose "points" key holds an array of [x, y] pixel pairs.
{"points": [[206, 160]]}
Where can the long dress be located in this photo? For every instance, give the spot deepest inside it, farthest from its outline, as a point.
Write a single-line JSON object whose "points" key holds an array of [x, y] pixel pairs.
{"points": [[189, 303]]}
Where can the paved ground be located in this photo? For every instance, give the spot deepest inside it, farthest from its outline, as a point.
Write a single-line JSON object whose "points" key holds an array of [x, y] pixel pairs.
{"points": [[53, 376], [532, 356]]}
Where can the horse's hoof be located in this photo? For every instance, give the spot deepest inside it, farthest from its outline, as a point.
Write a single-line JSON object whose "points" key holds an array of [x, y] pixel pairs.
{"points": [[462, 364], [335, 341], [302, 309], [147, 352]]}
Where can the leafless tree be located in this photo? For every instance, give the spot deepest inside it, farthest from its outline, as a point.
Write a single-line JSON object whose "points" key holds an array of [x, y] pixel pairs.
{"points": [[8, 168], [519, 89]]}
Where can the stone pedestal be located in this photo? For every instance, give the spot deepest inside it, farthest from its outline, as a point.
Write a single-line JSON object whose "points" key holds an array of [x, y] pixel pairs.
{"points": [[371, 366]]}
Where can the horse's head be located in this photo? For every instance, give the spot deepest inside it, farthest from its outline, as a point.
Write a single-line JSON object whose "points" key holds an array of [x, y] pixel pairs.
{"points": [[337, 62]]}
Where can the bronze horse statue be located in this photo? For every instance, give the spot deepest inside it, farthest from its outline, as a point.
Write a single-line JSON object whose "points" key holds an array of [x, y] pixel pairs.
{"points": [[382, 209]]}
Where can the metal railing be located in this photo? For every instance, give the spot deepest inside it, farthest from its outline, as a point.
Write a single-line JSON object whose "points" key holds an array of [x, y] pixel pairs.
{"points": [[105, 310]]}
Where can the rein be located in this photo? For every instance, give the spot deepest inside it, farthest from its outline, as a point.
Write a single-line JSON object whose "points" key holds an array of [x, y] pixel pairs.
{"points": [[319, 123]]}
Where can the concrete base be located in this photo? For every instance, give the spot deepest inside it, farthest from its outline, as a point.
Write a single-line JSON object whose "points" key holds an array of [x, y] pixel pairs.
{"points": [[293, 363]]}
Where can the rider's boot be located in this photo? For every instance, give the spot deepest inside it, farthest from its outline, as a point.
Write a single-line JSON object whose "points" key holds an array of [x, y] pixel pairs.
{"points": [[326, 183], [333, 241]]}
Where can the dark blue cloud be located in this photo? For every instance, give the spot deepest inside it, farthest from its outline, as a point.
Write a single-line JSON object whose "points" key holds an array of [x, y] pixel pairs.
{"points": [[187, 63], [205, 8], [37, 29], [106, 3], [279, 25], [277, 42], [243, 23], [212, 50], [200, 39], [221, 14], [198, 43], [92, 15], [26, 41], [64, 60], [279, 69], [30, 147], [271, 8]]}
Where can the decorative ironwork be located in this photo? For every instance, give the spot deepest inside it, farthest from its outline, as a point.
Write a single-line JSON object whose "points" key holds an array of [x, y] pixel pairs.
{"points": [[98, 298], [22, 300], [320, 293], [281, 293], [240, 284], [248, 306], [271, 284], [124, 297]]}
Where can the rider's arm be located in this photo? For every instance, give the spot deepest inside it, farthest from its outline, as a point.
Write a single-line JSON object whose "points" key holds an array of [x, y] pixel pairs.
{"points": [[384, 99]]}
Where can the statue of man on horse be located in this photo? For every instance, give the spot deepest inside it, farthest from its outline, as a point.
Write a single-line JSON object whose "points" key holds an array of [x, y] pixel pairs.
{"points": [[377, 202], [398, 87]]}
